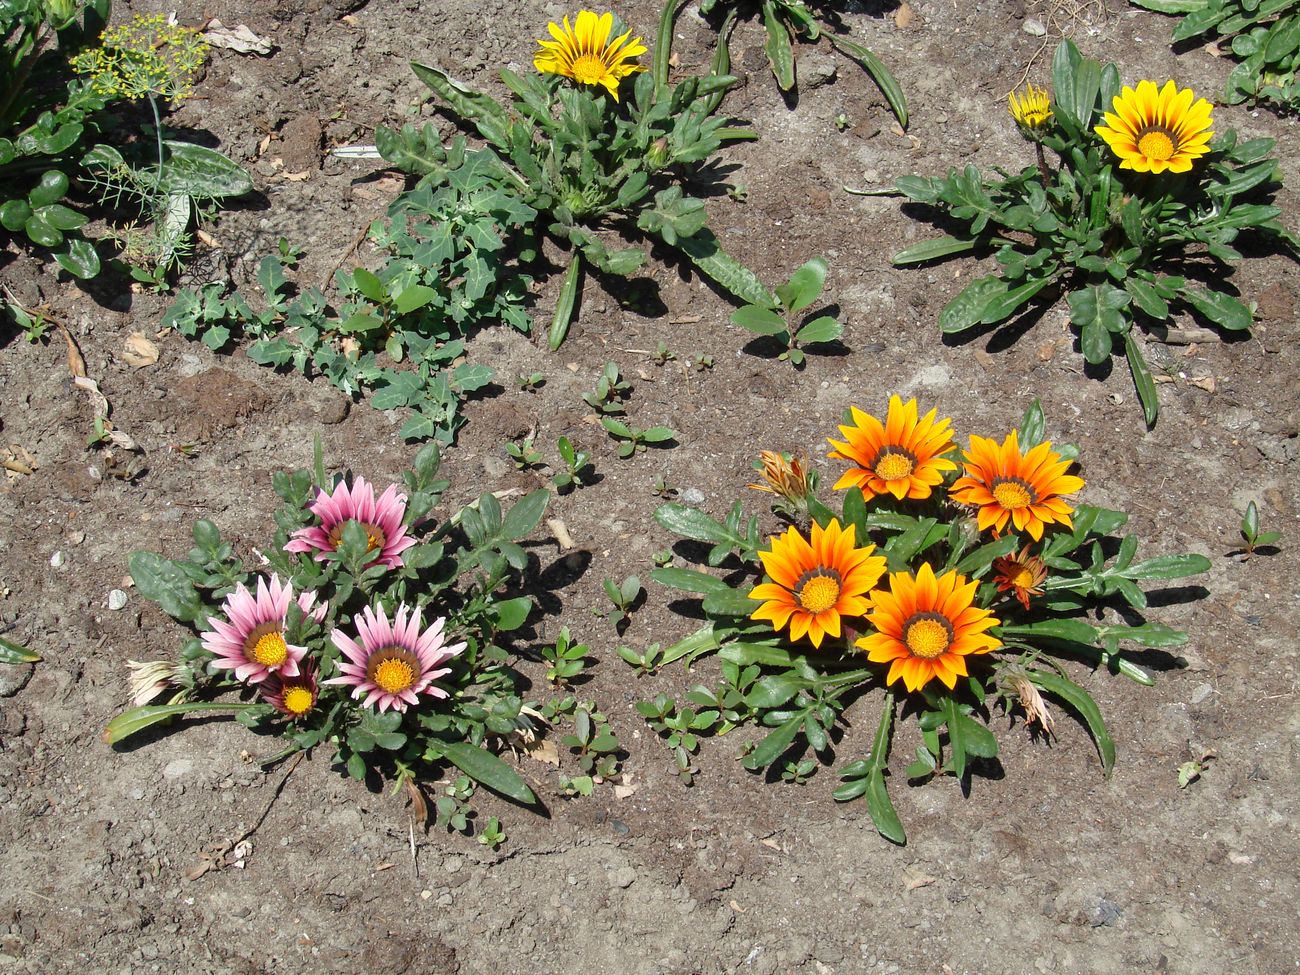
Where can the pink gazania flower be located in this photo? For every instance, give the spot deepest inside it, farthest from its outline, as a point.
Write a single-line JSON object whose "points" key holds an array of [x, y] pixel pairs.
{"points": [[292, 696], [395, 662], [251, 641], [382, 521]]}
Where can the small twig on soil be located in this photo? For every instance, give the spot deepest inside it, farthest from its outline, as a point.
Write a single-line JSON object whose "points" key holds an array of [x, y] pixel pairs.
{"points": [[16, 466], [357, 242], [274, 796], [1183, 336], [214, 857]]}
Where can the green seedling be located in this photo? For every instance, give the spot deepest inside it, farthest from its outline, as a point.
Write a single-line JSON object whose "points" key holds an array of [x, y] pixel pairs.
{"points": [[1250, 533], [680, 730], [566, 659], [451, 809], [804, 287], [524, 455], [611, 391], [493, 834], [632, 439], [797, 773], [1192, 770], [594, 744], [531, 382], [662, 354], [577, 467], [624, 597], [647, 662]]}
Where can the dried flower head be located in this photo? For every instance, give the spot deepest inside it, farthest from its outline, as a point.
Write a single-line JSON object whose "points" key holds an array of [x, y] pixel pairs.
{"points": [[783, 475], [149, 678], [1031, 700]]}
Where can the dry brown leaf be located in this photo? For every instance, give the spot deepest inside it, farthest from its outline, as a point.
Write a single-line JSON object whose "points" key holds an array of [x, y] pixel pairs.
{"points": [[561, 533], [140, 351], [543, 750], [903, 16], [76, 363], [771, 843], [624, 791], [1206, 383], [916, 879], [419, 808], [736, 907], [238, 38]]}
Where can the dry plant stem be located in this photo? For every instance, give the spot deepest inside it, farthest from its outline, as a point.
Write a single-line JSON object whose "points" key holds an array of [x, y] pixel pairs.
{"points": [[1044, 173], [357, 242], [17, 467]]}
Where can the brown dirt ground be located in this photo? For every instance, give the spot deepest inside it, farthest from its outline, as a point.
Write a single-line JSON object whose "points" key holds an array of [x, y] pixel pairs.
{"points": [[1048, 868]]}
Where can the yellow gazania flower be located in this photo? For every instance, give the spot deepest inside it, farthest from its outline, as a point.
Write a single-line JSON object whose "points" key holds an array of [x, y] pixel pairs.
{"points": [[1008, 486], [903, 456], [585, 53], [1021, 574], [927, 627], [1032, 110], [814, 584], [1152, 129]]}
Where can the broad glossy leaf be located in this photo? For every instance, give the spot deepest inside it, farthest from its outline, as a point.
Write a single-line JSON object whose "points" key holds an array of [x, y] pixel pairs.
{"points": [[487, 769]]}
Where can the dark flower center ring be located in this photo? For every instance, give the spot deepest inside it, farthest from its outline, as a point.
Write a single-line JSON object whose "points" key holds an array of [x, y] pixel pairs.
{"points": [[1157, 142], [927, 635], [392, 669], [818, 589], [1013, 492], [894, 463]]}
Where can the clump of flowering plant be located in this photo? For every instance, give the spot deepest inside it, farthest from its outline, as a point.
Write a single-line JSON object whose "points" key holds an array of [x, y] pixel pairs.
{"points": [[1134, 218], [372, 628], [960, 579], [594, 141]]}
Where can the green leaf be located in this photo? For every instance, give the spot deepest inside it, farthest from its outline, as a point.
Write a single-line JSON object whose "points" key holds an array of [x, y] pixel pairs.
{"points": [[128, 723], [781, 738], [202, 173], [1223, 310], [13, 653], [934, 250], [568, 299], [823, 329], [688, 580], [692, 523], [804, 285], [1146, 298], [879, 806], [487, 769], [1081, 701], [774, 690], [708, 256], [1075, 631], [779, 53], [527, 512], [1142, 381], [512, 613], [413, 297], [728, 602], [889, 87], [760, 320], [982, 557], [487, 116], [986, 301], [1169, 567], [967, 737], [81, 260], [764, 654], [163, 581]]}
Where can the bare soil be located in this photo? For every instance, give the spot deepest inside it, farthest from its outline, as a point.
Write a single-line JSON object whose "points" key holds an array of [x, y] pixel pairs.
{"points": [[1045, 867]]}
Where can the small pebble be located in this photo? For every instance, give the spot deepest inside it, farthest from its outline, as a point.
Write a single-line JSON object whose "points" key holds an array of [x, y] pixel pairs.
{"points": [[1202, 692], [693, 496], [116, 599], [57, 560], [1034, 27]]}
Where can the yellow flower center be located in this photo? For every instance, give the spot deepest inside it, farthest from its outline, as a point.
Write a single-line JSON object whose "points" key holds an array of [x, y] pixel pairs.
{"points": [[818, 590], [1022, 577], [374, 534], [1157, 142], [393, 669], [927, 635], [266, 646], [298, 700], [894, 464], [589, 69], [1013, 493]]}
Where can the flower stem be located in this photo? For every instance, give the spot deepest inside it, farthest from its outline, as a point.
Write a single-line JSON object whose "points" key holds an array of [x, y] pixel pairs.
{"points": [[1044, 173]]}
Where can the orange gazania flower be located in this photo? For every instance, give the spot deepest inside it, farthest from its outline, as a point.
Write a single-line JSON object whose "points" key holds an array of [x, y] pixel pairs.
{"points": [[814, 584], [1008, 486], [1021, 574], [903, 456], [927, 627]]}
